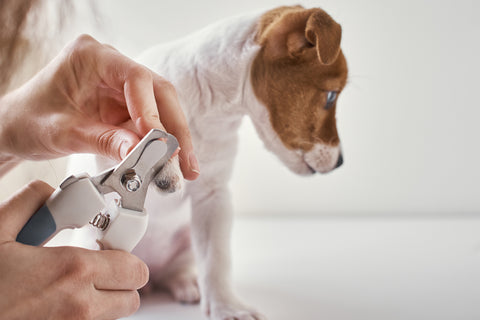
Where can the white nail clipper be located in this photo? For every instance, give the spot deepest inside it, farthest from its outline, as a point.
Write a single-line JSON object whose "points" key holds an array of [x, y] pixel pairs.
{"points": [[80, 198]]}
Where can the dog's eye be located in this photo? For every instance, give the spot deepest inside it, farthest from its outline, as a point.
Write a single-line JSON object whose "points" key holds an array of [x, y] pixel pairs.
{"points": [[331, 97]]}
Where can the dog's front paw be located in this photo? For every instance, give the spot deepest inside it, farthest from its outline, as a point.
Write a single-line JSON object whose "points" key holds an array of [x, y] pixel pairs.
{"points": [[170, 178], [229, 309]]}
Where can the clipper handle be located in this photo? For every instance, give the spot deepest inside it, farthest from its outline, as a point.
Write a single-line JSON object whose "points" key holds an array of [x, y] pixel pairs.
{"points": [[72, 206], [39, 228], [126, 231]]}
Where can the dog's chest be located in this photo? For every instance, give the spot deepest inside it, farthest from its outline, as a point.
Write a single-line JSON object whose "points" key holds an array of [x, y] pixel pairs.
{"points": [[168, 214]]}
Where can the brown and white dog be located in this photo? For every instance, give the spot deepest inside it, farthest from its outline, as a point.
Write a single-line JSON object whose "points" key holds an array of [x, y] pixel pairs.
{"points": [[284, 68]]}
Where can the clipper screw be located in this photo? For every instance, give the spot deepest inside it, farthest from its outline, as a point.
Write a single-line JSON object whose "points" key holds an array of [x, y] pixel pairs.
{"points": [[131, 182]]}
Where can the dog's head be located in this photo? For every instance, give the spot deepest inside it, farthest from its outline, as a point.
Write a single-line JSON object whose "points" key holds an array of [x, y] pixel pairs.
{"points": [[298, 74]]}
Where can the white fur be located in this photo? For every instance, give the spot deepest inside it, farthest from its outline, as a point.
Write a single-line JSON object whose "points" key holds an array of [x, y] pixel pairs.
{"points": [[322, 158], [211, 71]]}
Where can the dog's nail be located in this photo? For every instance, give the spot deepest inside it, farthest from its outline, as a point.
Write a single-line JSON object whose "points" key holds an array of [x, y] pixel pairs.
{"points": [[163, 184], [193, 163]]}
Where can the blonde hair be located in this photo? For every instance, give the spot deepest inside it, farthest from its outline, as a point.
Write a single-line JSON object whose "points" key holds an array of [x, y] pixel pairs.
{"points": [[26, 37]]}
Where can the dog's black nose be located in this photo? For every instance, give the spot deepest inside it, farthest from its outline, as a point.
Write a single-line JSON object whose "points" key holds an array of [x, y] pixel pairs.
{"points": [[339, 160]]}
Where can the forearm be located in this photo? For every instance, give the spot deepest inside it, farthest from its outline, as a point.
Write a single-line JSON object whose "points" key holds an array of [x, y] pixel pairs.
{"points": [[7, 159], [7, 163]]}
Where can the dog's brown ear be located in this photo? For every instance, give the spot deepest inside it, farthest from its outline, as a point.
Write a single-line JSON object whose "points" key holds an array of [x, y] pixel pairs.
{"points": [[325, 34], [295, 31]]}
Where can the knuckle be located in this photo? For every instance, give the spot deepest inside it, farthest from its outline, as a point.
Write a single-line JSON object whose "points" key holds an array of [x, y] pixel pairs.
{"points": [[78, 60], [148, 119], [76, 306], [73, 285], [84, 40], [76, 266], [138, 71], [80, 46], [82, 310], [167, 87], [152, 117]]}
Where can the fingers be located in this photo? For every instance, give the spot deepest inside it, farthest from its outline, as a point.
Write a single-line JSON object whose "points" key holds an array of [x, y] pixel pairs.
{"points": [[119, 270], [16, 211], [172, 116], [100, 138], [135, 81], [91, 284], [151, 102], [140, 100], [115, 304]]}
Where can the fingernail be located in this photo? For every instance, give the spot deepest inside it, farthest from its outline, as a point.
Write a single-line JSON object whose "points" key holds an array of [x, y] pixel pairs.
{"points": [[176, 152], [193, 163]]}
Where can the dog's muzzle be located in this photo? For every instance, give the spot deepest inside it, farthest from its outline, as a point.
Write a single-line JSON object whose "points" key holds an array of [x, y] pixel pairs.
{"points": [[340, 160]]}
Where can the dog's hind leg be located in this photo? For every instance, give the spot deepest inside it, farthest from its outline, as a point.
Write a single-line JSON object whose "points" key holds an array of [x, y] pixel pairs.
{"points": [[182, 281], [178, 276]]}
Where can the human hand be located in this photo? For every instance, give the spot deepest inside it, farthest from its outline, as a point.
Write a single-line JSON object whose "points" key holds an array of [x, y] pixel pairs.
{"points": [[83, 100], [62, 282]]}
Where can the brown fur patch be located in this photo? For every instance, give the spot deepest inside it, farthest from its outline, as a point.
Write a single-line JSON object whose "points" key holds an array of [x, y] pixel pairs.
{"points": [[299, 62]]}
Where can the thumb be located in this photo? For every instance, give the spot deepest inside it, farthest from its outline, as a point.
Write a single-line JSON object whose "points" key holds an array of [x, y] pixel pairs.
{"points": [[15, 211], [107, 140]]}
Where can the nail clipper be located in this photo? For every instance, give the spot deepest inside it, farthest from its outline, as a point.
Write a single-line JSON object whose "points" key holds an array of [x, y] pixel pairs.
{"points": [[80, 199]]}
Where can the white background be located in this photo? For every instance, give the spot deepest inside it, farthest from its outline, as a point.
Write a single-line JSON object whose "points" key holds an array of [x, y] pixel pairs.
{"points": [[408, 124], [407, 119]]}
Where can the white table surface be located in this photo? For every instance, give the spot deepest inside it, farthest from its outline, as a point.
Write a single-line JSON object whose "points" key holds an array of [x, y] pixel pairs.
{"points": [[350, 268]]}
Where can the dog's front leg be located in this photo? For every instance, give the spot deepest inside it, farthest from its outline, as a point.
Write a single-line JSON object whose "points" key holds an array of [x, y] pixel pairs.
{"points": [[211, 228]]}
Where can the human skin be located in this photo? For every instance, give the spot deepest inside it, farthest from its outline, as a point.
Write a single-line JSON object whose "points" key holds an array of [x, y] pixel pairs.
{"points": [[90, 98], [82, 102], [62, 282]]}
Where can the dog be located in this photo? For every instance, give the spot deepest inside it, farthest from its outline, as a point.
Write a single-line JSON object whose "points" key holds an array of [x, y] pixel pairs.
{"points": [[283, 68]]}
